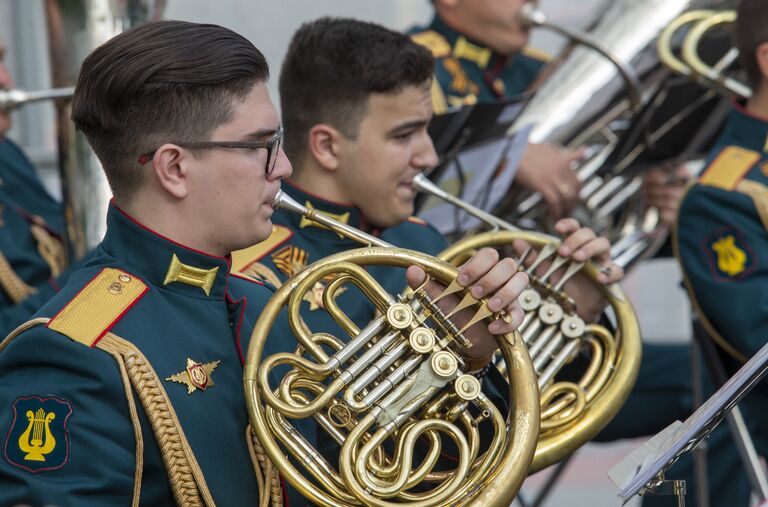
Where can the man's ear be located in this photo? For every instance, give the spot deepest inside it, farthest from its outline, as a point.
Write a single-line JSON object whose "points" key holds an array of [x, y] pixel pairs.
{"points": [[761, 55], [324, 145], [169, 167]]}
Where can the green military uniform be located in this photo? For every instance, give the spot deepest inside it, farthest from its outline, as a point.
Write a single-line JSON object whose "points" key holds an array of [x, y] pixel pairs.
{"points": [[32, 254], [467, 72], [132, 382], [721, 243]]}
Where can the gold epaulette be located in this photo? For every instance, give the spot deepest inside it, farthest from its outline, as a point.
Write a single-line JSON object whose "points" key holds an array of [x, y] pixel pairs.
{"points": [[729, 167], [241, 259], [536, 54], [417, 220], [98, 306], [433, 41]]}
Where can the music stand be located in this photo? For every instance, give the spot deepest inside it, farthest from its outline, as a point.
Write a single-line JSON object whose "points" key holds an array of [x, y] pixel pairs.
{"points": [[642, 471], [476, 157]]}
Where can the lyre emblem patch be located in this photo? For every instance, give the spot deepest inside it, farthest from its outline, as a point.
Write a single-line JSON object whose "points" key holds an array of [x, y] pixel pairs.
{"points": [[730, 255], [38, 439], [196, 376]]}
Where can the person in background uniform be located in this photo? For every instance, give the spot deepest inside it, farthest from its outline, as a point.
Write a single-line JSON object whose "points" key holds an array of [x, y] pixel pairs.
{"points": [[356, 104], [33, 253], [720, 237], [481, 53], [126, 388]]}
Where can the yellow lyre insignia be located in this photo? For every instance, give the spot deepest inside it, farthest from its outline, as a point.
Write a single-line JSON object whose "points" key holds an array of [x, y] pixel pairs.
{"points": [[190, 275], [290, 259], [433, 41], [731, 259], [465, 49], [305, 222], [38, 440], [196, 376], [98, 306], [729, 167]]}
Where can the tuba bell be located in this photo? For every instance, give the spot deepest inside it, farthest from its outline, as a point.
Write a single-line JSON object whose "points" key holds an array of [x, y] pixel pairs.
{"points": [[605, 96], [387, 391], [572, 412]]}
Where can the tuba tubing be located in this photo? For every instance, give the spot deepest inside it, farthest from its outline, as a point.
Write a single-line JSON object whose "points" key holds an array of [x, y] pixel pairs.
{"points": [[10, 99], [607, 382], [395, 405]]}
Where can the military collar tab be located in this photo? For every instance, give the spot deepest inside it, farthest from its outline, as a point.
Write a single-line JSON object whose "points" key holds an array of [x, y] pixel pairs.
{"points": [[163, 261], [472, 52]]}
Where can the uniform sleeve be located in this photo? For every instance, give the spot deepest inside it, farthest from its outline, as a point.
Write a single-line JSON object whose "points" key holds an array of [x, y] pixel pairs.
{"points": [[65, 424], [722, 247]]}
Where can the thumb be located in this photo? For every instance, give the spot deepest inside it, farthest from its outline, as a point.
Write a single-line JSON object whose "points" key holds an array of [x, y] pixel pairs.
{"points": [[415, 276]]}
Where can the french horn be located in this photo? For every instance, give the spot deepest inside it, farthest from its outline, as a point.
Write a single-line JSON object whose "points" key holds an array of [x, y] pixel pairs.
{"points": [[389, 394], [572, 412]]}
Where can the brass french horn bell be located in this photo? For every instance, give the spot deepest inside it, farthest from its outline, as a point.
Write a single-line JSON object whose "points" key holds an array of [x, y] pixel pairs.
{"points": [[390, 394]]}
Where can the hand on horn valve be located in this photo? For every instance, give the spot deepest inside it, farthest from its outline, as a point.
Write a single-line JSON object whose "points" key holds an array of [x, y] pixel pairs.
{"points": [[581, 244], [499, 281]]}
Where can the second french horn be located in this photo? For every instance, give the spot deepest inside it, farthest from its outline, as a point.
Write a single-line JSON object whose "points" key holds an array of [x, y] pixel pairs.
{"points": [[573, 410]]}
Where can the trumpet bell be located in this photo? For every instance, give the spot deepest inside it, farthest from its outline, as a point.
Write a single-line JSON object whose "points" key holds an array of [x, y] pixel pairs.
{"points": [[390, 395]]}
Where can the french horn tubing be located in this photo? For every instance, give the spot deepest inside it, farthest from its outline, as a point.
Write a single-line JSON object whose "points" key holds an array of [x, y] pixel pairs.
{"points": [[391, 394], [572, 413]]}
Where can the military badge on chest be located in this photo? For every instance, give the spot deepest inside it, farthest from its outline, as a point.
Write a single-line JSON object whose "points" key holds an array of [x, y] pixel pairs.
{"points": [[292, 259], [38, 439], [195, 376]]}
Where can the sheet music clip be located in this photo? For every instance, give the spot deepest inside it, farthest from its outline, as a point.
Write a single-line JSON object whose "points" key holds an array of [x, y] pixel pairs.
{"points": [[642, 471]]}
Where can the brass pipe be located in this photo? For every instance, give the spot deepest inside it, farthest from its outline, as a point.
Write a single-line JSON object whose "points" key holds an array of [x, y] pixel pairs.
{"points": [[10, 99]]}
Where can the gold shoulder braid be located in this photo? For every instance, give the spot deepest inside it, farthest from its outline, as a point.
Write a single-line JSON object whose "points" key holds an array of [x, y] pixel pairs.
{"points": [[50, 248], [266, 473], [12, 284], [184, 474]]}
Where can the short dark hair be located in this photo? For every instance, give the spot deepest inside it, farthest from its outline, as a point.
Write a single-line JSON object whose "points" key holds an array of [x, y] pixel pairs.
{"points": [[332, 67], [750, 31], [166, 81]]}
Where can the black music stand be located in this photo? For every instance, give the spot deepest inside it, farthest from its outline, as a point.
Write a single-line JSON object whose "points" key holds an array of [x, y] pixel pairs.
{"points": [[466, 133], [642, 471]]}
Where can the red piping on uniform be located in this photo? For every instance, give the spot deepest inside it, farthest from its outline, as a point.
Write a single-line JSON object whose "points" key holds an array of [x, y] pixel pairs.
{"points": [[139, 224]]}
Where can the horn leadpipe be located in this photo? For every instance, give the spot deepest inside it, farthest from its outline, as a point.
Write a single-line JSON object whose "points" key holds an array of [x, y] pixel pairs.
{"points": [[10, 99], [286, 202]]}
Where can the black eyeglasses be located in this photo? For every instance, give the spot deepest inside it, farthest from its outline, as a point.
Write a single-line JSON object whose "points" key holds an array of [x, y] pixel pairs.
{"points": [[272, 145]]}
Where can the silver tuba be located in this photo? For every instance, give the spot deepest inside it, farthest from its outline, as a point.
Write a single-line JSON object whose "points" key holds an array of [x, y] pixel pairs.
{"points": [[600, 95], [75, 28]]}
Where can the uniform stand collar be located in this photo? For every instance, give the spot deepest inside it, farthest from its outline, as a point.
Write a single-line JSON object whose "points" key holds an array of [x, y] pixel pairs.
{"points": [[343, 212], [162, 261], [748, 129]]}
